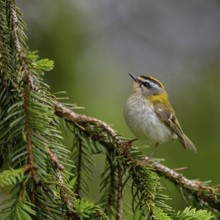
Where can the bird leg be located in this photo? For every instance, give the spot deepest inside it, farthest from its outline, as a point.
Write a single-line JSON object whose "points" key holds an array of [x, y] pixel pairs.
{"points": [[152, 152]]}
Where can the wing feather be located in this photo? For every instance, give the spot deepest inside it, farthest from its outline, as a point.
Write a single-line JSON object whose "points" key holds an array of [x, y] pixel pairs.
{"points": [[170, 119]]}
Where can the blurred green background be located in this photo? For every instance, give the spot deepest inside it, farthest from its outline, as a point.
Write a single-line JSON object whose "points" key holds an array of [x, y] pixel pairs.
{"points": [[96, 43]]}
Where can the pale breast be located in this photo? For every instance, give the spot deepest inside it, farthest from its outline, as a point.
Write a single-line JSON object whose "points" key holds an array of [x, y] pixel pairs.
{"points": [[143, 121]]}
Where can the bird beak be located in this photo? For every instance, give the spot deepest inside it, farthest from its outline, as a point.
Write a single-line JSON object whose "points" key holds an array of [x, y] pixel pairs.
{"points": [[133, 77]]}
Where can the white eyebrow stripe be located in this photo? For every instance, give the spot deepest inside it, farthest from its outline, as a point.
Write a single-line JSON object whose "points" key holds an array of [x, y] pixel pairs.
{"points": [[151, 80], [153, 84]]}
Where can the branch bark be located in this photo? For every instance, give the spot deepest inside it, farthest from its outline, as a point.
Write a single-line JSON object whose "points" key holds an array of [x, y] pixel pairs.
{"points": [[200, 190], [24, 67]]}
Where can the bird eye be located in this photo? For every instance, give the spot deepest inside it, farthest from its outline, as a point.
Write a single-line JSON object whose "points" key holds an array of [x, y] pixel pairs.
{"points": [[146, 84]]}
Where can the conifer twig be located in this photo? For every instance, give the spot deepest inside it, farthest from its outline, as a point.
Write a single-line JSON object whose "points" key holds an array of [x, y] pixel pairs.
{"points": [[197, 188], [27, 86], [87, 123], [59, 168], [79, 168], [179, 179], [119, 211], [55, 160]]}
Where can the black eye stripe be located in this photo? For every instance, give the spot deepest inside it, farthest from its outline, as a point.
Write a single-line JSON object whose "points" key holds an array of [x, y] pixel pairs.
{"points": [[151, 80], [146, 84]]}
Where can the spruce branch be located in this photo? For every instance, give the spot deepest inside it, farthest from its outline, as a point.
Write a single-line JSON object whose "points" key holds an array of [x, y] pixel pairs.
{"points": [[25, 69], [28, 127], [79, 168], [12, 176], [41, 169], [29, 130], [109, 185], [83, 161], [119, 211], [191, 213], [59, 168], [55, 160], [15, 31], [200, 190], [88, 124]]}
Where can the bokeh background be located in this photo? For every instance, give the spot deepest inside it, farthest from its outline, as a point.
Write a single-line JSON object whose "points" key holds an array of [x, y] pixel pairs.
{"points": [[96, 43]]}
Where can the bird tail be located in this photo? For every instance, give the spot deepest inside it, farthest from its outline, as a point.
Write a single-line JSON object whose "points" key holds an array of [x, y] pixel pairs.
{"points": [[187, 144]]}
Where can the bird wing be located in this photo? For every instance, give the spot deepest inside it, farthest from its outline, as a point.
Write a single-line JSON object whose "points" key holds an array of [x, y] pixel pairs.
{"points": [[169, 118]]}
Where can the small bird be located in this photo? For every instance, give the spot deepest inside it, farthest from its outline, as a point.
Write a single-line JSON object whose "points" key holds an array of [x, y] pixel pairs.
{"points": [[149, 114]]}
